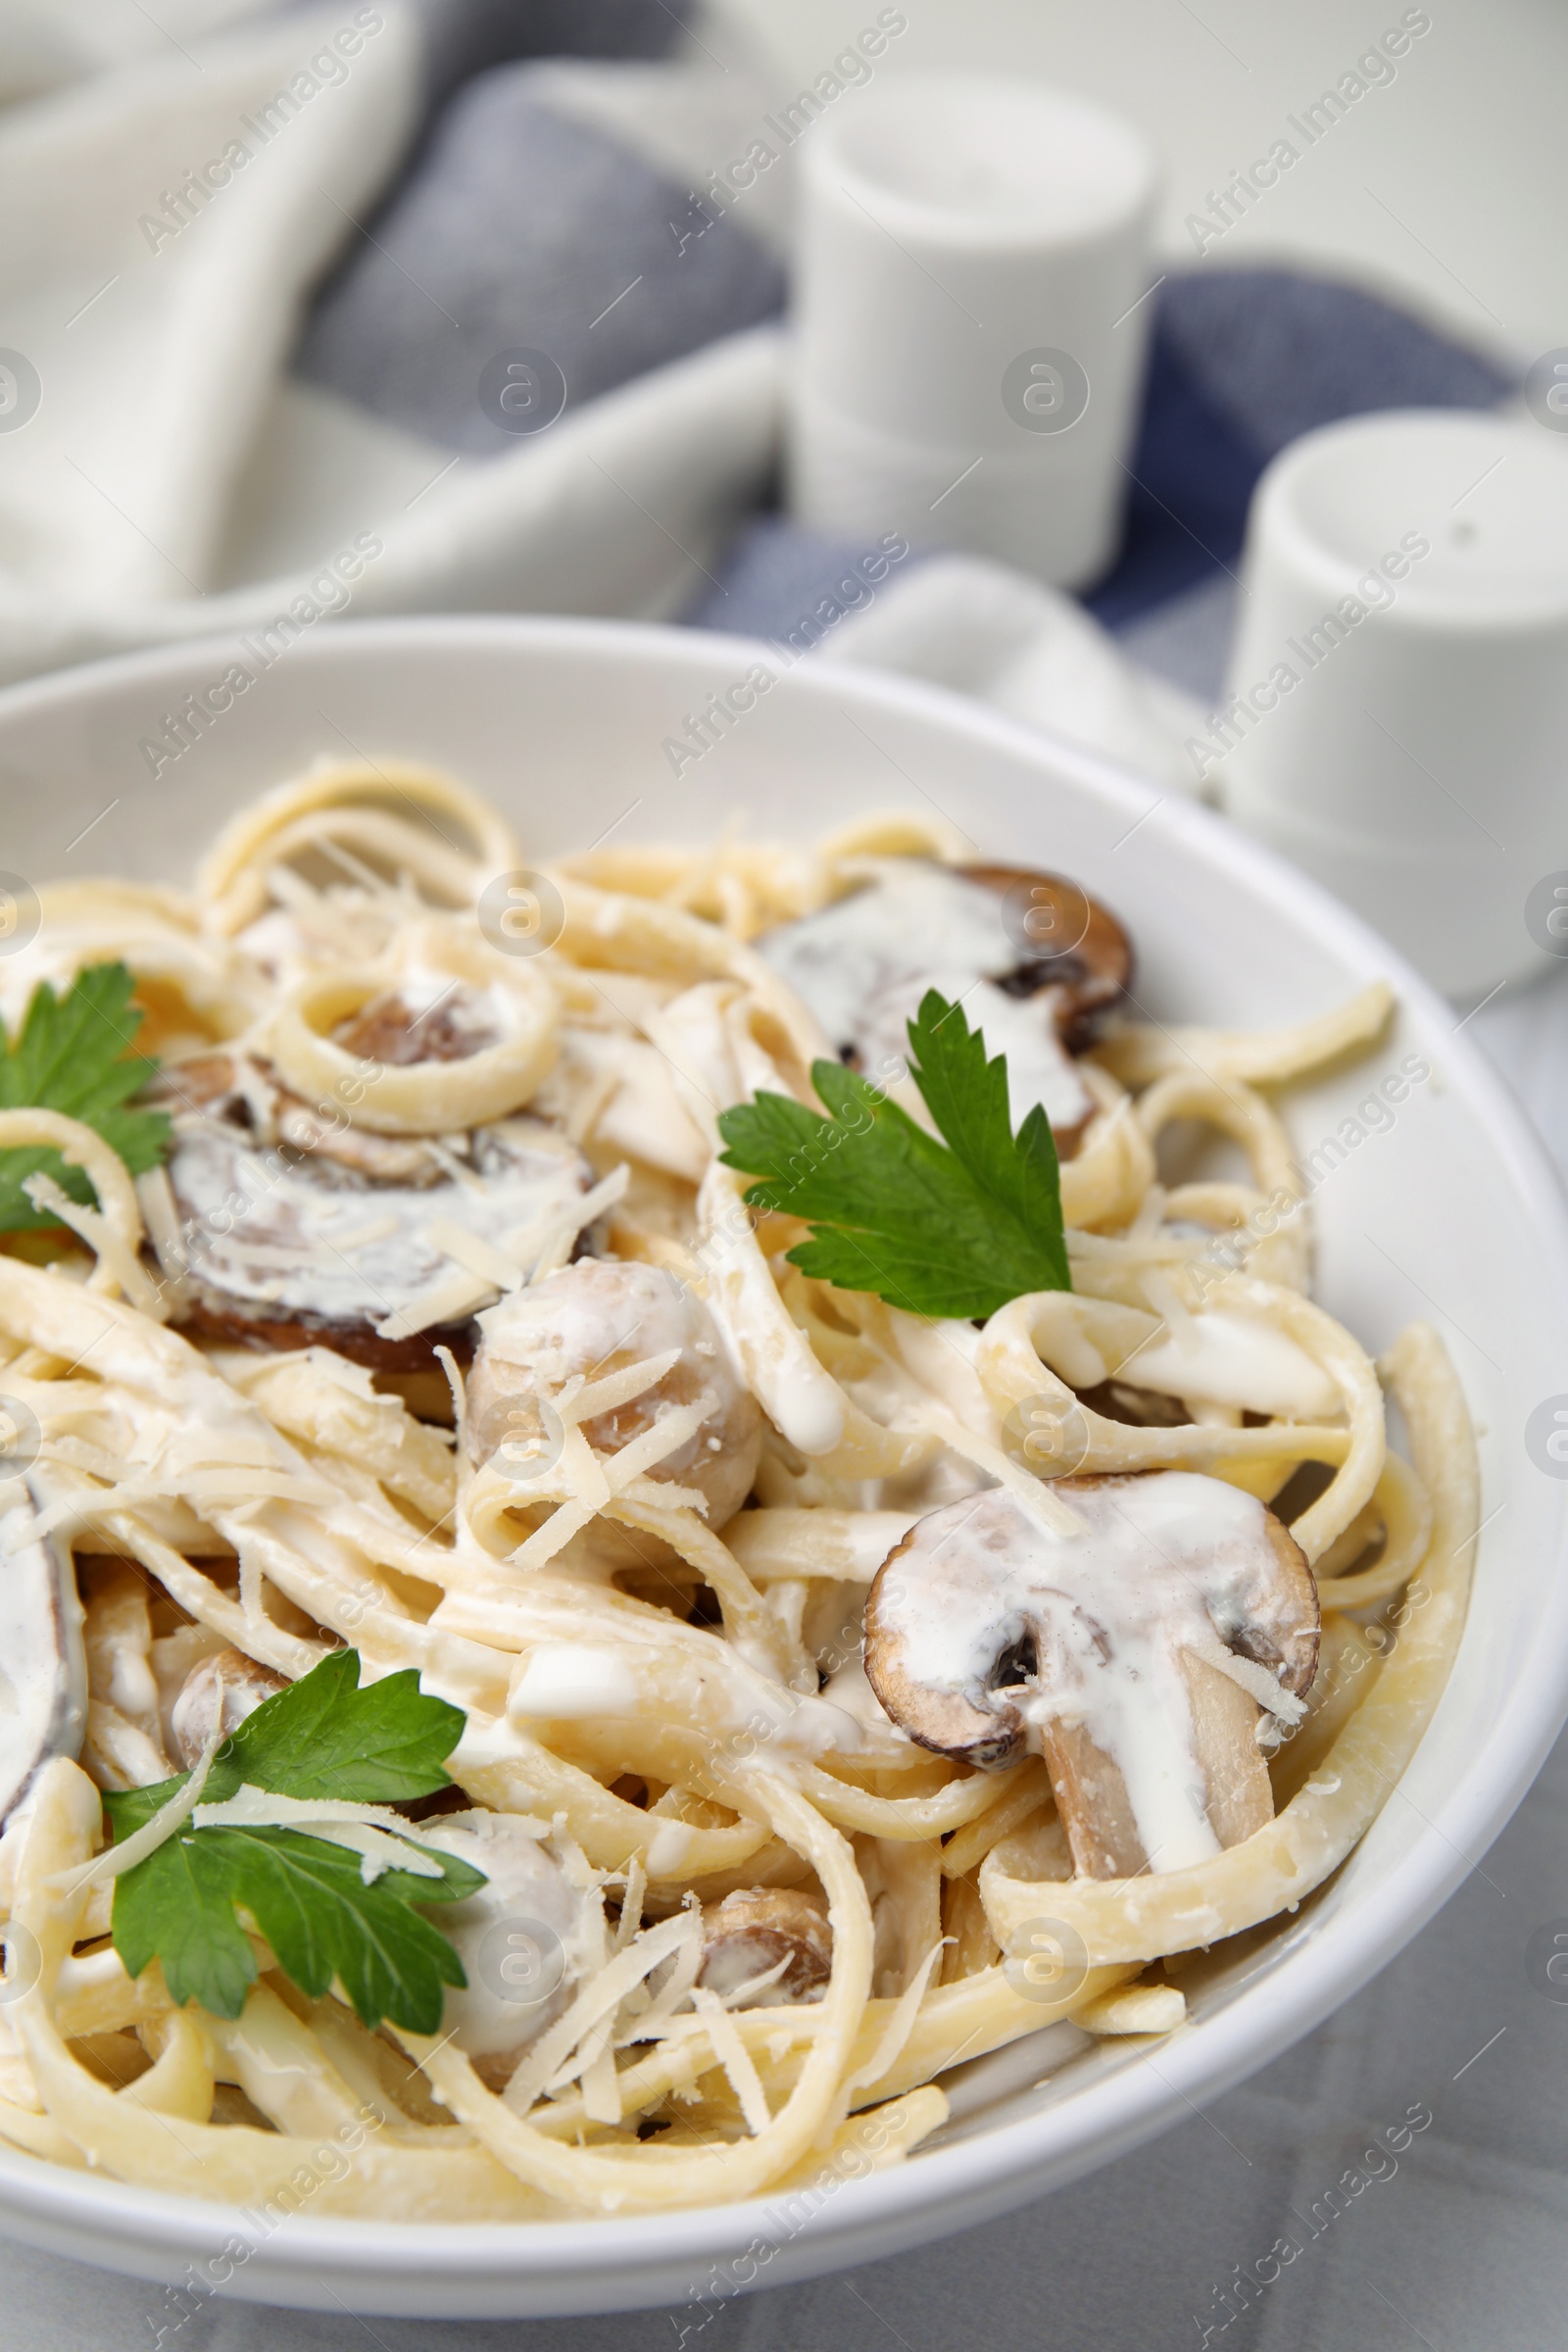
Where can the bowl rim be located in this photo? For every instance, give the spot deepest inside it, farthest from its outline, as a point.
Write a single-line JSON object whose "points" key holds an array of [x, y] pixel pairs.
{"points": [[993, 2169]]}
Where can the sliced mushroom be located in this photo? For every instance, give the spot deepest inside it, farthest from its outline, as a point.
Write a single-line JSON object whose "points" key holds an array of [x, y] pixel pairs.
{"points": [[396, 1030], [43, 1662], [295, 1229], [1068, 941], [221, 1692], [752, 1931], [1134, 1654], [247, 1095], [596, 1318], [1033, 958]]}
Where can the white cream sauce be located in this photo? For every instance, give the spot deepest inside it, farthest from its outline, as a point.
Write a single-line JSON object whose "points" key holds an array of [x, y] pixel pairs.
{"points": [[1225, 1358], [281, 1235], [850, 1691], [863, 966], [798, 1395], [943, 1355], [1164, 1564], [570, 1681]]}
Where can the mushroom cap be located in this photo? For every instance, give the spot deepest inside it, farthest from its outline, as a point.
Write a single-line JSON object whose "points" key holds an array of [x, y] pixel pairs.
{"points": [[1076, 944], [525, 1937], [1032, 956], [312, 1193], [753, 1930], [597, 1318], [980, 1622]]}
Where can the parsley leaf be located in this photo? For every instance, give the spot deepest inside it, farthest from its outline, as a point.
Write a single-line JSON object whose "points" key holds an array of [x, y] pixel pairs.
{"points": [[323, 1738], [309, 1900], [954, 1229], [73, 1055]]}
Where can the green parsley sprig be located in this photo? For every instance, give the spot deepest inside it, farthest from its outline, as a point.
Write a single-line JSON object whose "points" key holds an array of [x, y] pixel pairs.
{"points": [[951, 1229], [72, 1054], [322, 1737]]}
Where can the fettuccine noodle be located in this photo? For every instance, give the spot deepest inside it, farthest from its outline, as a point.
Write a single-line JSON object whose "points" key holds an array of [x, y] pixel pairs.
{"points": [[661, 1673]]}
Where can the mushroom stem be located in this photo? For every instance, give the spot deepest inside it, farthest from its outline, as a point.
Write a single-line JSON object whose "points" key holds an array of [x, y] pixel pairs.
{"points": [[1092, 1797]]}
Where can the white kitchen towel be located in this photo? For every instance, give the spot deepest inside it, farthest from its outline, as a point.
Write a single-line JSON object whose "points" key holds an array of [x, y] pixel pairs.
{"points": [[466, 305], [46, 43], [197, 433], [261, 316], [984, 630]]}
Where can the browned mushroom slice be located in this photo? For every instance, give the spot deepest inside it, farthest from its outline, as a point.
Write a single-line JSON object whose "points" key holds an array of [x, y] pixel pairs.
{"points": [[761, 1929], [594, 1319], [220, 1691], [1136, 1653], [1066, 939], [295, 1230], [246, 1096], [1033, 958]]}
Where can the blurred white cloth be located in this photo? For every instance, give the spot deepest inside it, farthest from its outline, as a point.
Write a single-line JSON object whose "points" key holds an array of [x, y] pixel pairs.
{"points": [[45, 43], [984, 630], [157, 347], [174, 479]]}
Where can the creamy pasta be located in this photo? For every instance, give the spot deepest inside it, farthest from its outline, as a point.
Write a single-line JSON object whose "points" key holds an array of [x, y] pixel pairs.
{"points": [[847, 1691]]}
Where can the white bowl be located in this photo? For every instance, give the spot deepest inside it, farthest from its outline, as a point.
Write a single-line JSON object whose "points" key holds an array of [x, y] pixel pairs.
{"points": [[1453, 1215]]}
